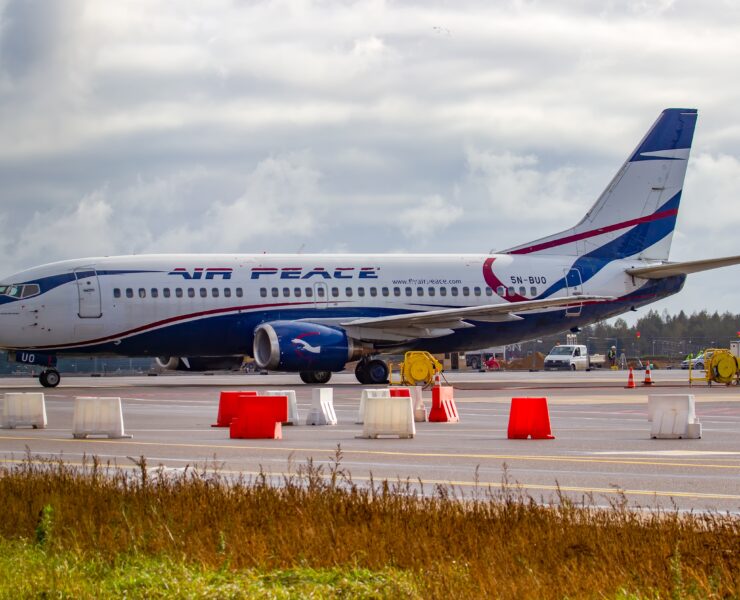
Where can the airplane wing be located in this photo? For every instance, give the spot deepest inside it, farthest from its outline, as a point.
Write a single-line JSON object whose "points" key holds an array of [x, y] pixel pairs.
{"points": [[436, 323], [682, 268]]}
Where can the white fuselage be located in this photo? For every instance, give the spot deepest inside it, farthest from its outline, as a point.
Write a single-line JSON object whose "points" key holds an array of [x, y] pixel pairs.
{"points": [[210, 304]]}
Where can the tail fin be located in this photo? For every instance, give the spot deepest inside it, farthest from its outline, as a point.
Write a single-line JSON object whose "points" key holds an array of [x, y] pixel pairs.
{"points": [[636, 214]]}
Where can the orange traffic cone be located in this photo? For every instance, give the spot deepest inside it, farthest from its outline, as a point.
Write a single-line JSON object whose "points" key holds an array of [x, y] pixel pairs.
{"points": [[648, 376], [630, 381], [437, 379]]}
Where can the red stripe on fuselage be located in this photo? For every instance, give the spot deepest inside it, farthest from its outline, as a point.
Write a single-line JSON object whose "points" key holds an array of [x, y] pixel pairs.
{"points": [[156, 324]]}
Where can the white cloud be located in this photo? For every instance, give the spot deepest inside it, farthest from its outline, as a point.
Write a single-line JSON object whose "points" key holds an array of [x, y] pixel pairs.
{"points": [[269, 125]]}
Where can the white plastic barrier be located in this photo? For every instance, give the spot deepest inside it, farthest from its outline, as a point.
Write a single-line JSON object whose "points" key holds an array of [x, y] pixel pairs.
{"points": [[673, 416], [420, 411], [373, 393], [292, 404], [23, 410], [98, 416], [388, 416], [322, 407]]}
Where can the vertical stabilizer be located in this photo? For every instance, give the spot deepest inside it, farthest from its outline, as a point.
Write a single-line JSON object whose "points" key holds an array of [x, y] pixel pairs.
{"points": [[635, 215]]}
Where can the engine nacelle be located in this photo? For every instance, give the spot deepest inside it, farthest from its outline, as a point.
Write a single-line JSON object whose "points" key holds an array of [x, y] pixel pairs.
{"points": [[199, 363], [302, 346]]}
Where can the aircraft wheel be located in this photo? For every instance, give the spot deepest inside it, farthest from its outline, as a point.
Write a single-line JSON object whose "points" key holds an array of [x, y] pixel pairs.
{"points": [[377, 371], [321, 376], [361, 372], [307, 377], [50, 378]]}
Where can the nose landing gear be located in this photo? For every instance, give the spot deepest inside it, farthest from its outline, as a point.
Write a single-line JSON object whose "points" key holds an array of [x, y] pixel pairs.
{"points": [[50, 378]]}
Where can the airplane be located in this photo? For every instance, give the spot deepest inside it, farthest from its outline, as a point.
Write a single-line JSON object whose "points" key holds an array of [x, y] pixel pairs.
{"points": [[314, 313]]}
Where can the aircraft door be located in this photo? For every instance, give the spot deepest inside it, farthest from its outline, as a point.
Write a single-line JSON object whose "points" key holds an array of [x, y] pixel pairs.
{"points": [[573, 287], [320, 294], [88, 290]]}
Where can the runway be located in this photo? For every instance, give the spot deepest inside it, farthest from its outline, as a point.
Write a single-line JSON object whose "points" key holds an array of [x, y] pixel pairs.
{"points": [[602, 448]]}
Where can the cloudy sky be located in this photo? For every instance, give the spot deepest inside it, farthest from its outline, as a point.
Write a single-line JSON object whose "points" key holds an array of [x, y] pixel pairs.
{"points": [[333, 126]]}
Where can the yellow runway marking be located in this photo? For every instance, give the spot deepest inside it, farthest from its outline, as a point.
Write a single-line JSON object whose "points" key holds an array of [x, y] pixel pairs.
{"points": [[472, 484], [347, 451]]}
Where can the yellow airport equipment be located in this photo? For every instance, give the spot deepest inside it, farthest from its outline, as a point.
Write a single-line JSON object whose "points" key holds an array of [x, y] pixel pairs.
{"points": [[417, 367], [720, 366]]}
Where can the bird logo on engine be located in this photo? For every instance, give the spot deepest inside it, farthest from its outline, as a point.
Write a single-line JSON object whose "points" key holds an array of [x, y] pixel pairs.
{"points": [[304, 345]]}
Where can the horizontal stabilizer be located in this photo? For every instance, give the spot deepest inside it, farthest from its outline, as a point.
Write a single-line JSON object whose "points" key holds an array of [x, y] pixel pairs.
{"points": [[682, 268]]}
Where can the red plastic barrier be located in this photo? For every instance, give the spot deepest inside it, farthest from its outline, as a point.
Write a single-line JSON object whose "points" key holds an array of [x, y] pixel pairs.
{"points": [[228, 404], [443, 409], [400, 392], [260, 417], [529, 417]]}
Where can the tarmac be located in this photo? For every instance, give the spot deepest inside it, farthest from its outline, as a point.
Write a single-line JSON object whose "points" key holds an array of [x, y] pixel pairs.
{"points": [[602, 452]]}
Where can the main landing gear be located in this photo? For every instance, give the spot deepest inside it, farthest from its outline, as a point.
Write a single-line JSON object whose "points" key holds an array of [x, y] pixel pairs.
{"points": [[370, 372], [315, 376], [50, 378]]}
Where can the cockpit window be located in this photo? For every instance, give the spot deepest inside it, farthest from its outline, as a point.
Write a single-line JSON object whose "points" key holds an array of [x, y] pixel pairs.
{"points": [[20, 291], [14, 291], [30, 289]]}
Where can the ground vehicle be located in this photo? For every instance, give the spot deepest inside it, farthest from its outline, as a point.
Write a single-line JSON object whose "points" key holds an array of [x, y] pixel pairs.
{"points": [[568, 356], [696, 363]]}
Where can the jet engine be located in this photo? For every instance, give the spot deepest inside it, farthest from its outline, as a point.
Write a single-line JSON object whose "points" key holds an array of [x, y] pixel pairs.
{"points": [[302, 346], [199, 363]]}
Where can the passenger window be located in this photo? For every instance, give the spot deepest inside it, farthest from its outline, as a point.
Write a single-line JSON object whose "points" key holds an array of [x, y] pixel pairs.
{"points": [[431, 291], [263, 292], [361, 291], [386, 292], [286, 292], [191, 292], [443, 291], [320, 291], [129, 293], [420, 291], [533, 291], [512, 291], [178, 292], [396, 291], [239, 292], [203, 293], [309, 292], [577, 352], [453, 291], [275, 292], [476, 290], [116, 292], [335, 292], [501, 291], [522, 291], [227, 292], [408, 291], [155, 293], [297, 292], [489, 291], [373, 292], [348, 291], [466, 291], [166, 292], [142, 293], [214, 292]]}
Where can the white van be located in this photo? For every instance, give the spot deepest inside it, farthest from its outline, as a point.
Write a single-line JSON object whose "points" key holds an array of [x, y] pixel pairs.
{"points": [[573, 357]]}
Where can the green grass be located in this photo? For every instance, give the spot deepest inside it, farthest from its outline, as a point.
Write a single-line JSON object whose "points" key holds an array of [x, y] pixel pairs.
{"points": [[318, 534], [29, 571]]}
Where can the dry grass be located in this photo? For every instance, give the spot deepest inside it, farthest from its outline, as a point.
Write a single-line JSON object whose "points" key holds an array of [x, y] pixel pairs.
{"points": [[498, 543]]}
